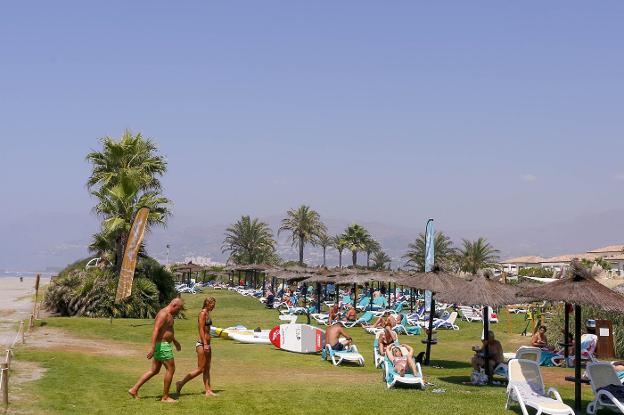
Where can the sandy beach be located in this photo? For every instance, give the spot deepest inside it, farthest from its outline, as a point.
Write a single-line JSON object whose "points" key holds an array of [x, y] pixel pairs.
{"points": [[15, 304]]}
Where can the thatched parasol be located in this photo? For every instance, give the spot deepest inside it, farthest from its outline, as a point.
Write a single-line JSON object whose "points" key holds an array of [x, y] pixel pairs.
{"points": [[436, 282], [482, 291], [579, 287]]}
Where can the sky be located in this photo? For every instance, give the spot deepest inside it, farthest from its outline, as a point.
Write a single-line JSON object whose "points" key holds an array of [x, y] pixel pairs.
{"points": [[482, 115]]}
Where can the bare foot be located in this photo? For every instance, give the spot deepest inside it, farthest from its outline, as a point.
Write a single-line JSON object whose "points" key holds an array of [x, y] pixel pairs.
{"points": [[210, 393], [168, 400], [135, 395], [178, 387]]}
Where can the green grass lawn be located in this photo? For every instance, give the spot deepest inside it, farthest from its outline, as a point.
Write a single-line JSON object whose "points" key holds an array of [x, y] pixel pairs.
{"points": [[259, 378]]}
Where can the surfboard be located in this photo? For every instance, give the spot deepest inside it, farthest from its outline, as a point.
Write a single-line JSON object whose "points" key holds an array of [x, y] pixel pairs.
{"points": [[298, 338], [252, 337]]}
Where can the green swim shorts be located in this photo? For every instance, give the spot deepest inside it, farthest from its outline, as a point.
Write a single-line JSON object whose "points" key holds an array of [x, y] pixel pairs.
{"points": [[163, 351]]}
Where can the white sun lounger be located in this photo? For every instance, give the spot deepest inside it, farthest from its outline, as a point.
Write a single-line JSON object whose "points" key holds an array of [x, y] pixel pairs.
{"points": [[526, 387], [602, 374], [350, 355]]}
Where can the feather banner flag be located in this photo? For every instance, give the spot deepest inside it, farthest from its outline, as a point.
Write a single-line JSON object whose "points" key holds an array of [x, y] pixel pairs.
{"points": [[429, 246], [124, 287]]}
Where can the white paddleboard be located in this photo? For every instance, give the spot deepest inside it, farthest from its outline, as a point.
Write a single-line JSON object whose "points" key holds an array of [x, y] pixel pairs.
{"points": [[298, 338], [254, 337]]}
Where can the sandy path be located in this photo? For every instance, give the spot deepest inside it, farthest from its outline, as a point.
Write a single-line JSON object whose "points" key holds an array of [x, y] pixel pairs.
{"points": [[15, 305]]}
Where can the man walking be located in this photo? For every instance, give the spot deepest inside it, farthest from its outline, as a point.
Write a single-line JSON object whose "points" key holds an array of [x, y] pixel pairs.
{"points": [[162, 351]]}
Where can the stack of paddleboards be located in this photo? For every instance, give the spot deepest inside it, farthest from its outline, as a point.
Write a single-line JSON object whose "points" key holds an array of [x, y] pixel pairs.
{"points": [[242, 334], [298, 338]]}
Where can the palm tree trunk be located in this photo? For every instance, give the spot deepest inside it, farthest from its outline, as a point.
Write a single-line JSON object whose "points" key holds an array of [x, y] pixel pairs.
{"points": [[354, 257], [301, 250], [324, 248], [120, 251], [339, 259], [367, 259]]}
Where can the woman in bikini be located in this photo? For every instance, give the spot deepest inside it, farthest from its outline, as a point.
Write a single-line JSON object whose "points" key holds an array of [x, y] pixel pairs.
{"points": [[203, 349], [400, 361]]}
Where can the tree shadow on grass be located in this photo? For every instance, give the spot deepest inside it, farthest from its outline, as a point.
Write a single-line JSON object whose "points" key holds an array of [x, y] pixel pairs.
{"points": [[465, 381], [449, 364]]}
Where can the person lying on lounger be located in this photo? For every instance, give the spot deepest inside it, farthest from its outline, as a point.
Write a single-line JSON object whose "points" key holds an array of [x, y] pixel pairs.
{"points": [[382, 321], [399, 360], [332, 337]]}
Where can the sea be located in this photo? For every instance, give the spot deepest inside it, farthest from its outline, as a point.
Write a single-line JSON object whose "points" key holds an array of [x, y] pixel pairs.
{"points": [[25, 274]]}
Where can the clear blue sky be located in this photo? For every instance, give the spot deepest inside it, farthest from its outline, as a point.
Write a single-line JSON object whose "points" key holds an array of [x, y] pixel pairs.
{"points": [[480, 114]]}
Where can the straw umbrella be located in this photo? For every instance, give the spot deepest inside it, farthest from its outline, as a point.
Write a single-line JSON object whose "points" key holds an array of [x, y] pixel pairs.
{"points": [[579, 287], [487, 293], [436, 282]]}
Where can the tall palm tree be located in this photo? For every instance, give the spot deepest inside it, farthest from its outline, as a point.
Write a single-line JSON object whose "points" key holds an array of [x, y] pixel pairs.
{"points": [[340, 243], [132, 155], [477, 255], [356, 237], [445, 253], [324, 241], [125, 177], [305, 226], [380, 259], [370, 246], [250, 241]]}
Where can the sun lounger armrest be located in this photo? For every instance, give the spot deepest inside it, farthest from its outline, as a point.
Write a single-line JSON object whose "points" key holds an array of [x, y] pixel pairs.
{"points": [[612, 398], [552, 391]]}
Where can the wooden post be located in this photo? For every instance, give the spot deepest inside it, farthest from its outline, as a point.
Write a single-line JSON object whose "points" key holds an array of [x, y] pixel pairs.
{"points": [[7, 359], [21, 328], [4, 374], [32, 323]]}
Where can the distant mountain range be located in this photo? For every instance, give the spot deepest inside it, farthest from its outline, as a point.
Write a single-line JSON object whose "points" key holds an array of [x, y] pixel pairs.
{"points": [[59, 239]]}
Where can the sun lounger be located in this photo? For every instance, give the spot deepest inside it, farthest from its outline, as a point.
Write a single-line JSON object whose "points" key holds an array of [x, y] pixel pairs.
{"points": [[406, 328], [363, 303], [392, 378], [470, 314], [320, 318], [526, 387], [364, 319], [447, 323], [608, 390], [350, 355], [588, 348]]}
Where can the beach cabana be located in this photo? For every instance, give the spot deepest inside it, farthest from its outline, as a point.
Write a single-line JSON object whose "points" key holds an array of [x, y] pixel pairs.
{"points": [[579, 287]]}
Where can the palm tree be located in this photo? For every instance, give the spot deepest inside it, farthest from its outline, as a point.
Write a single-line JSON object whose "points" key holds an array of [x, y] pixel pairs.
{"points": [[477, 255], [249, 241], [356, 237], [370, 246], [340, 243], [445, 253], [125, 177], [305, 225], [131, 155], [324, 241], [380, 259]]}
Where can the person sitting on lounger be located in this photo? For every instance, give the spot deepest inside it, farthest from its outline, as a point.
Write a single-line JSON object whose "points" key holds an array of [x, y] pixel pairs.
{"points": [[334, 313], [332, 337], [495, 354], [351, 314], [387, 338], [382, 321], [399, 360], [540, 340]]}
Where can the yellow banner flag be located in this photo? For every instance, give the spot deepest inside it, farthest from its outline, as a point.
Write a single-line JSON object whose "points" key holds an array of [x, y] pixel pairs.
{"points": [[124, 287]]}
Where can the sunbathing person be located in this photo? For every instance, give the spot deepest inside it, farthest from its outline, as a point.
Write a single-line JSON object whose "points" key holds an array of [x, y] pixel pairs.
{"points": [[400, 361], [351, 314], [334, 313], [540, 340], [387, 338], [495, 354], [332, 337]]}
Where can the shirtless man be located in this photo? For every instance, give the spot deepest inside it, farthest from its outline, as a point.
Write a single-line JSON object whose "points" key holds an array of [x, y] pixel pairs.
{"points": [[495, 354], [539, 339], [332, 337], [161, 351]]}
